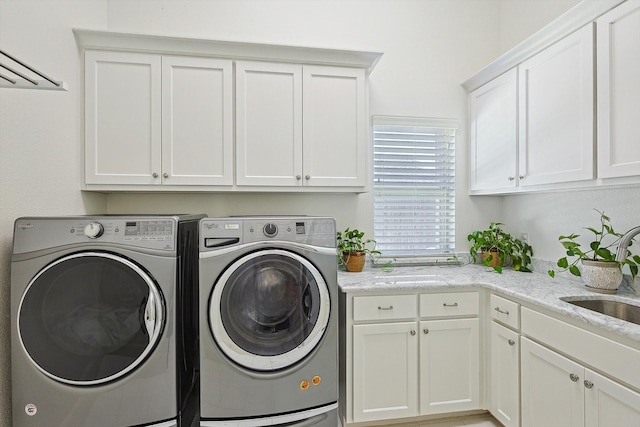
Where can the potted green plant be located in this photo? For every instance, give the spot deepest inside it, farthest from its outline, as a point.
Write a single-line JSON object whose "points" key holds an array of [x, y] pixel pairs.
{"points": [[600, 270], [498, 248], [353, 249]]}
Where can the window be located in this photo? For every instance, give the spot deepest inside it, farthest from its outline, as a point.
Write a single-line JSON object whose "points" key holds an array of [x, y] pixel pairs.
{"points": [[414, 186]]}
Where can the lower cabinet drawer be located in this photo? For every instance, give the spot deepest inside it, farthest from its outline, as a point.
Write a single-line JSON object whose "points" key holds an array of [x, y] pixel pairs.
{"points": [[384, 307], [449, 304], [505, 311]]}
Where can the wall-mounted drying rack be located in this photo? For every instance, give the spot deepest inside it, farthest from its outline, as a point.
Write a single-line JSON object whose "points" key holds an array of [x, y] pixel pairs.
{"points": [[22, 76]]}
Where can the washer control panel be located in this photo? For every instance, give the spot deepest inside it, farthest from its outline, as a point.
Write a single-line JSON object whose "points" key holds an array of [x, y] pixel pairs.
{"points": [[224, 232]]}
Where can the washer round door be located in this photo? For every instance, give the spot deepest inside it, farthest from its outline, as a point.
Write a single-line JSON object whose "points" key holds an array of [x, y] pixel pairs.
{"points": [[90, 317], [269, 309]]}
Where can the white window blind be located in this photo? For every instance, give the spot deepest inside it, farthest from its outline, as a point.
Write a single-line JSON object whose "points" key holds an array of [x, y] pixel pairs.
{"points": [[414, 186]]}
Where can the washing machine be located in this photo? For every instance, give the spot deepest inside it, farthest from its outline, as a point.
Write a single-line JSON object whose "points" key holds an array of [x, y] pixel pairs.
{"points": [[104, 321], [268, 322]]}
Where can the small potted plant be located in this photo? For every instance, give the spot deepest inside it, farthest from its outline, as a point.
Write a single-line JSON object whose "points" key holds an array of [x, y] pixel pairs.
{"points": [[600, 270], [498, 248], [353, 249]]}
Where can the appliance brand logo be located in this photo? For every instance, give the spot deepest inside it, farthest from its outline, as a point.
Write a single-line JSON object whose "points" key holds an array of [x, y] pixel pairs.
{"points": [[25, 225], [211, 225]]}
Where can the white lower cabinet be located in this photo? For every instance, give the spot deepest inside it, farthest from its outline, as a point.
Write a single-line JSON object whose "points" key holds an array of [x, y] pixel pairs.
{"points": [[385, 377], [504, 383], [449, 365], [399, 366], [557, 391]]}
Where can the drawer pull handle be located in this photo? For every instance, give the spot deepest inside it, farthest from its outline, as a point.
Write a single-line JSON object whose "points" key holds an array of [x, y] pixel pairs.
{"points": [[455, 304], [511, 342], [412, 332], [588, 384], [574, 377], [501, 312], [385, 308]]}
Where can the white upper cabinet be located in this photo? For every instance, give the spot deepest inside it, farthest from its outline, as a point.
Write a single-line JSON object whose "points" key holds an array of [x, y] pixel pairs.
{"points": [[122, 118], [171, 114], [300, 125], [494, 133], [618, 44], [335, 127], [556, 119], [197, 129], [154, 120], [268, 124]]}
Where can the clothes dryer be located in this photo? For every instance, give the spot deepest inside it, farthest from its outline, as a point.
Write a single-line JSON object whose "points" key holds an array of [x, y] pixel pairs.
{"points": [[268, 322], [104, 329]]}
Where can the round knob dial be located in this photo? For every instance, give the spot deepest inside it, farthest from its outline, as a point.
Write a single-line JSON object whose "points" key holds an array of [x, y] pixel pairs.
{"points": [[270, 230], [93, 230]]}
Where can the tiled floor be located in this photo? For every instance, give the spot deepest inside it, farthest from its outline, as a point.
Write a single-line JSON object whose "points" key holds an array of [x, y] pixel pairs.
{"points": [[470, 421]]}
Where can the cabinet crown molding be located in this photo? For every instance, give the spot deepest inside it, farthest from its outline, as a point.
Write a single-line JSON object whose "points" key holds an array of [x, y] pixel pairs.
{"points": [[580, 15], [111, 40]]}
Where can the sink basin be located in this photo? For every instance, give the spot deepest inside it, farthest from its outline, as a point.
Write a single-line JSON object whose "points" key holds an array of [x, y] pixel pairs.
{"points": [[617, 309]]}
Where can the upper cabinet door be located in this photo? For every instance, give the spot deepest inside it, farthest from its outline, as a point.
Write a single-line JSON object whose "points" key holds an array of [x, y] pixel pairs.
{"points": [[494, 133], [556, 114], [618, 91], [268, 124], [197, 124], [122, 118], [335, 126]]}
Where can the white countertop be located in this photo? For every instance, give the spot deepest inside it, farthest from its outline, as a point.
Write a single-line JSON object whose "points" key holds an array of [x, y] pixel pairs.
{"points": [[536, 289]]}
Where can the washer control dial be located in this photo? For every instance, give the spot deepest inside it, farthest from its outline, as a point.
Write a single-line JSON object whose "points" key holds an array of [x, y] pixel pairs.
{"points": [[270, 229], [93, 230]]}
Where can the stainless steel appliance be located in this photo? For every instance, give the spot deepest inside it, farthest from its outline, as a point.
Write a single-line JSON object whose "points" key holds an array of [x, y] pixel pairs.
{"points": [[104, 326], [268, 322]]}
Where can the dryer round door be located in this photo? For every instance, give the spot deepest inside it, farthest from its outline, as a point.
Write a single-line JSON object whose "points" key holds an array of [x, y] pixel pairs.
{"points": [[269, 309], [90, 317]]}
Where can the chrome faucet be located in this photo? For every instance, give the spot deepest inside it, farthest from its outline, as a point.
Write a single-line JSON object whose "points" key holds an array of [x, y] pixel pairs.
{"points": [[625, 241]]}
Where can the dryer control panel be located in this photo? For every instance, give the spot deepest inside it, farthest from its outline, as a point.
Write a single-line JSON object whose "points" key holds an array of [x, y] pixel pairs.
{"points": [[224, 232], [155, 233]]}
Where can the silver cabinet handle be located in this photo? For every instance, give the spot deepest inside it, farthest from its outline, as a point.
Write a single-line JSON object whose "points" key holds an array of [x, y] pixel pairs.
{"points": [[412, 332], [511, 342], [155, 175], [588, 384], [522, 177], [574, 377], [455, 304], [298, 177], [165, 175], [501, 312], [512, 178], [307, 177], [385, 308], [425, 331]]}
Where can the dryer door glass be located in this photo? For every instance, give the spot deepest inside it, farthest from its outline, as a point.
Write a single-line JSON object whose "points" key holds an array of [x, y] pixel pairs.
{"points": [[90, 317], [269, 309]]}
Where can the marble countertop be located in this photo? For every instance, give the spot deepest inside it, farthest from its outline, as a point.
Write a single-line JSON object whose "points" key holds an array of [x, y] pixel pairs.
{"points": [[536, 289]]}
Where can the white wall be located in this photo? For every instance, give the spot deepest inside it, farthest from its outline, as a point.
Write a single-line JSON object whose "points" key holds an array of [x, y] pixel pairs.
{"points": [[430, 47]]}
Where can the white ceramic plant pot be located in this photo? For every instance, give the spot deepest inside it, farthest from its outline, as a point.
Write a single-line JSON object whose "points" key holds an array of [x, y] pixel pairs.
{"points": [[601, 276]]}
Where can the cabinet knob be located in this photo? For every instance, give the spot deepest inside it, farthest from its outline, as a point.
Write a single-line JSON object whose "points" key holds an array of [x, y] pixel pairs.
{"points": [[588, 384], [574, 377], [512, 178], [307, 177], [298, 177], [155, 175], [165, 175], [425, 331], [522, 177], [412, 332], [511, 342]]}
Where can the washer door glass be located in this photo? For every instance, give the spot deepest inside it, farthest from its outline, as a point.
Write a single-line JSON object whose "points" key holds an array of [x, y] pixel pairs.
{"points": [[90, 317], [269, 309]]}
